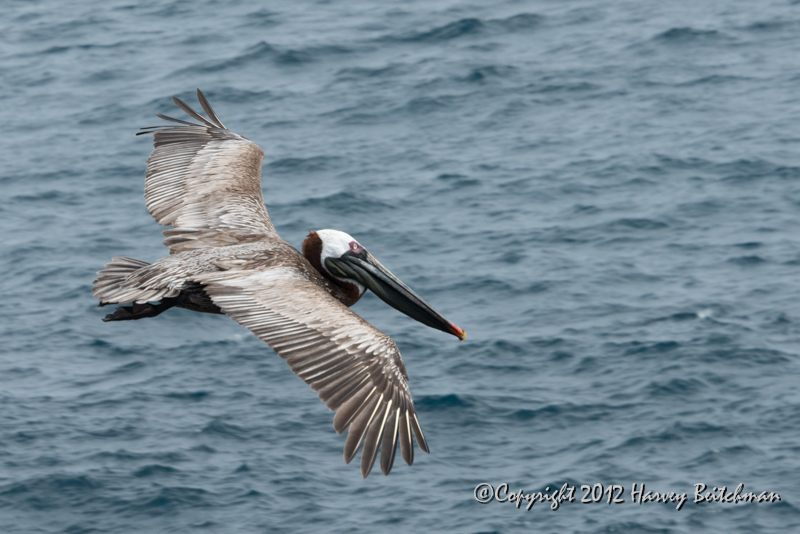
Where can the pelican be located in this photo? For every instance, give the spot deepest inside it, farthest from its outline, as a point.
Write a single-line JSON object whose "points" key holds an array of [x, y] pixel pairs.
{"points": [[225, 257]]}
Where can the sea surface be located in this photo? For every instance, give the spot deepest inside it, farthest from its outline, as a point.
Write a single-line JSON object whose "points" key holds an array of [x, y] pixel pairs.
{"points": [[604, 195]]}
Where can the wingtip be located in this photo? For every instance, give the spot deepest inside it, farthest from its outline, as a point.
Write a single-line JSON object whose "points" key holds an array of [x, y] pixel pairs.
{"points": [[208, 109], [365, 474], [417, 429]]}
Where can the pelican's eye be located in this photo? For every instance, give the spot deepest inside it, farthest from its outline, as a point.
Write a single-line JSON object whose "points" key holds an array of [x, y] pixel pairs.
{"points": [[355, 247]]}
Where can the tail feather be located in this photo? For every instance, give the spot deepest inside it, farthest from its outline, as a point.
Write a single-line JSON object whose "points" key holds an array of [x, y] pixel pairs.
{"points": [[109, 287]]}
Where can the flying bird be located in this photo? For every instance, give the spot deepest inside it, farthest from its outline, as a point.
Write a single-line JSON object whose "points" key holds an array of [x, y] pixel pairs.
{"points": [[225, 257]]}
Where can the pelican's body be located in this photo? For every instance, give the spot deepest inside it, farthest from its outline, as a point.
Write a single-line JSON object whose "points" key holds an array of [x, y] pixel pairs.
{"points": [[225, 257]]}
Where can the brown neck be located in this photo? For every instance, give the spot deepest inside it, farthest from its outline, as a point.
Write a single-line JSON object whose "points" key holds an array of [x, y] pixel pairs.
{"points": [[349, 293]]}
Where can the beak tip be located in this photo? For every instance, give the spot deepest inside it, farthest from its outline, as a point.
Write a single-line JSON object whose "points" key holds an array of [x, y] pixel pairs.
{"points": [[456, 331]]}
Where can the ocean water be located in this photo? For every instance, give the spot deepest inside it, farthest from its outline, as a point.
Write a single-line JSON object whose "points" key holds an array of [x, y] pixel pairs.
{"points": [[604, 195]]}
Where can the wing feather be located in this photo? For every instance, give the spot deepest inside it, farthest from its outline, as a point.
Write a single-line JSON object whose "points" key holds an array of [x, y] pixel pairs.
{"points": [[373, 439], [208, 109], [192, 113], [354, 367], [389, 445], [359, 426], [205, 181], [406, 445]]}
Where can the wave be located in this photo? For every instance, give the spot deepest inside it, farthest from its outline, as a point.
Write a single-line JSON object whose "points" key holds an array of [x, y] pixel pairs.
{"points": [[358, 73], [677, 432], [171, 498], [442, 402], [714, 79], [189, 395], [745, 356], [490, 72], [688, 35], [626, 223], [448, 31], [304, 165], [722, 456], [345, 202], [225, 430], [264, 52], [51, 492], [471, 27], [565, 414], [739, 170], [154, 470], [124, 455], [747, 261], [682, 387]]}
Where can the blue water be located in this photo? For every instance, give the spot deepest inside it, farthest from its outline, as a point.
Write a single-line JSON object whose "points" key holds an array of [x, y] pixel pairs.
{"points": [[604, 195]]}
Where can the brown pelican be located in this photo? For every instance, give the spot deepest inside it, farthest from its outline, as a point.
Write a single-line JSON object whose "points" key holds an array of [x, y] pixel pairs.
{"points": [[225, 257]]}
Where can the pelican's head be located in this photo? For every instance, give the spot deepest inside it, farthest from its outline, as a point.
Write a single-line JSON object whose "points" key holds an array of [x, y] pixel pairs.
{"points": [[341, 259]]}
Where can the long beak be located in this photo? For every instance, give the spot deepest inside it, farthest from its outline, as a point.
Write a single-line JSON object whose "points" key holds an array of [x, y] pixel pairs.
{"points": [[368, 271]]}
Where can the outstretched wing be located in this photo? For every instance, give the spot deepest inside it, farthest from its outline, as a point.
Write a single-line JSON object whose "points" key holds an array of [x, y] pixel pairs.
{"points": [[205, 181], [356, 369]]}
